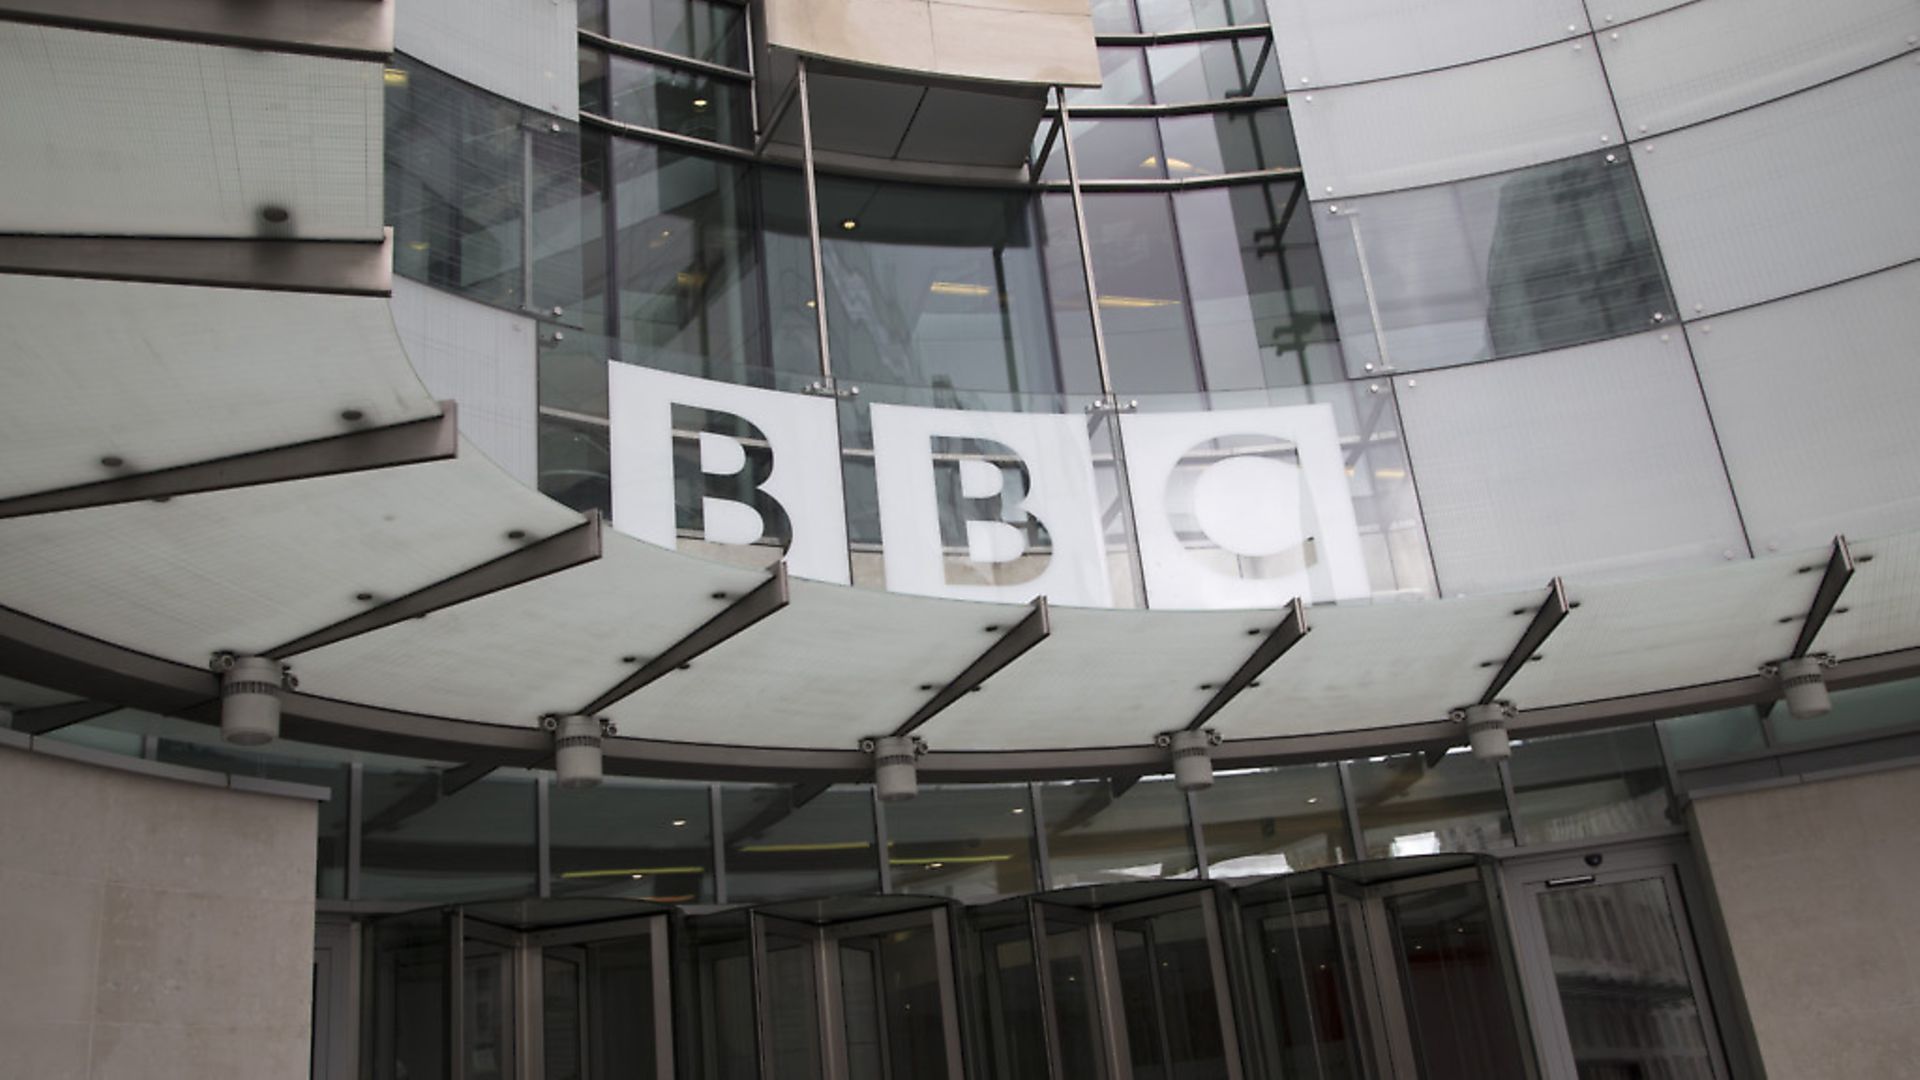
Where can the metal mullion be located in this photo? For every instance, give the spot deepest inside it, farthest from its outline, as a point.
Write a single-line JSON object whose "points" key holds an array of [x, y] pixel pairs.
{"points": [[1175, 37], [705, 146], [662, 58], [543, 831], [1356, 846], [717, 841], [1043, 976], [456, 923], [1196, 835], [945, 964], [1224, 996], [813, 221], [880, 841], [1108, 998], [1042, 863], [1183, 108], [356, 805], [1505, 768]]}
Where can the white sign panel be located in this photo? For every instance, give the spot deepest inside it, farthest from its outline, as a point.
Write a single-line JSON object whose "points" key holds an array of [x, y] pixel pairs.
{"points": [[1248, 507], [988, 506], [788, 493]]}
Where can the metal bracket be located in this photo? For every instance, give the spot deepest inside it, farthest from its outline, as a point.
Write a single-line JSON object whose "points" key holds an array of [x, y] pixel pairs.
{"points": [[766, 598], [561, 551], [434, 438], [1285, 636], [1833, 581], [1552, 611], [1012, 645], [46, 718]]}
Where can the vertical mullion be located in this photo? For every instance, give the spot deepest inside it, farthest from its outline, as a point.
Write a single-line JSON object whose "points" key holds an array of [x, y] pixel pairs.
{"points": [[880, 841], [813, 222], [1042, 861], [717, 840], [356, 799], [1505, 768], [543, 831], [1355, 838], [1196, 835]]}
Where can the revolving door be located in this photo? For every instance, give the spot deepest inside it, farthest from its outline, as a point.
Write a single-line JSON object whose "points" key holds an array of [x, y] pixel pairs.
{"points": [[1114, 982], [553, 990]]}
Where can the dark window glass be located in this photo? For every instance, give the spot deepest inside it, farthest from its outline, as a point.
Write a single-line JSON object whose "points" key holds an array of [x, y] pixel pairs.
{"points": [[1161, 16], [1543, 258], [966, 841], [1114, 17], [1218, 70], [1455, 980], [1099, 830], [1273, 821], [1123, 80], [779, 849], [330, 863], [1573, 787], [1239, 141], [710, 30], [931, 286], [1410, 807], [643, 838], [1860, 710], [575, 463], [408, 986], [1142, 302], [687, 295], [1113, 148], [1260, 302], [455, 184], [417, 844], [1168, 996], [683, 102], [568, 205]]}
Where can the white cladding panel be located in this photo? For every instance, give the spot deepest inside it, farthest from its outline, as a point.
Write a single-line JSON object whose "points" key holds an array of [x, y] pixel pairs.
{"points": [[113, 135], [484, 359], [1710, 58], [524, 50], [1598, 459], [1813, 397], [1488, 117], [1801, 192], [1327, 42], [1881, 614]]}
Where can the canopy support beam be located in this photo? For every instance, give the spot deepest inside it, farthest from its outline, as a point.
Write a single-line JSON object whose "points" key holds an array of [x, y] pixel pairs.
{"points": [[1285, 636], [1546, 619], [766, 598], [1833, 582], [1025, 634]]}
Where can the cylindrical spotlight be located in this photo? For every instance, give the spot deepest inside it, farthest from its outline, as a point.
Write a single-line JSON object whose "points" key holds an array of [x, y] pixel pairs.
{"points": [[1191, 753], [1487, 730], [896, 775], [576, 749], [1803, 683], [250, 697]]}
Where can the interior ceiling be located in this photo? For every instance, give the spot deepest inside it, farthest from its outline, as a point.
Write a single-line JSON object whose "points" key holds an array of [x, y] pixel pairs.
{"points": [[152, 376]]}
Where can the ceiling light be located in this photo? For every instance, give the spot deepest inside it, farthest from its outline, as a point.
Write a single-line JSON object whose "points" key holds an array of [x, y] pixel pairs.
{"points": [[849, 224], [958, 288], [679, 822], [810, 304], [637, 877], [699, 103], [1019, 809], [1311, 799], [935, 865], [1135, 302], [394, 77]]}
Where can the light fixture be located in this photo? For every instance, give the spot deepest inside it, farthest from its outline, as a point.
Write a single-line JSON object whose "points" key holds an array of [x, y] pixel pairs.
{"points": [[895, 765], [1803, 684], [679, 822], [849, 224], [1311, 799], [1487, 728], [935, 865], [958, 288], [576, 748], [1191, 750], [637, 877], [1019, 809], [250, 697], [699, 103]]}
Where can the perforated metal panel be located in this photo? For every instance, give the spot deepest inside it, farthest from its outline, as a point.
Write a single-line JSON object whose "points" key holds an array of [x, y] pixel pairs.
{"points": [[485, 359], [1881, 615], [1595, 460], [114, 135], [1327, 42], [1710, 58], [1797, 193], [1483, 118], [523, 50], [1813, 397]]}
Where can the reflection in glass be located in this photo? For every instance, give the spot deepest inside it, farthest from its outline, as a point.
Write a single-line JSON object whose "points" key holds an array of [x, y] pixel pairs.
{"points": [[1168, 997], [669, 99], [621, 1008], [1855, 711], [1235, 141], [417, 844], [1573, 787], [1104, 830], [1111, 148], [780, 847], [1142, 301], [890, 989], [648, 839], [723, 977], [1273, 821], [1542, 258], [408, 991], [1218, 70], [487, 1012], [1625, 990], [1456, 989], [1123, 80], [1161, 16], [965, 841], [575, 464], [792, 1013], [1706, 736], [1302, 992], [1010, 1035], [1410, 804], [710, 30]]}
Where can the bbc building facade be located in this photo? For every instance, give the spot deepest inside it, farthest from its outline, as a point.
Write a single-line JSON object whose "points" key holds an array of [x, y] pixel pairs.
{"points": [[1134, 539]]}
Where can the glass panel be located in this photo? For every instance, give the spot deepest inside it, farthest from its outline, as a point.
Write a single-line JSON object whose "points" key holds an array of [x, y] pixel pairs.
{"points": [[1168, 997], [569, 250], [1142, 299], [330, 877], [622, 1021], [473, 844], [1624, 986], [1453, 978], [487, 1006], [1160, 16], [895, 1015], [1265, 317], [1076, 1010], [1303, 995], [1114, 17], [1097, 831], [1273, 821], [1541, 258], [779, 850], [574, 464], [1235, 141], [710, 30], [1411, 807], [1857, 711], [687, 288], [1146, 1041], [649, 839], [1707, 736], [1573, 787], [1011, 1035], [793, 1019], [1113, 148], [454, 184], [408, 1011], [965, 841], [1218, 70], [562, 1017], [723, 969], [939, 287], [1123, 80], [671, 99]]}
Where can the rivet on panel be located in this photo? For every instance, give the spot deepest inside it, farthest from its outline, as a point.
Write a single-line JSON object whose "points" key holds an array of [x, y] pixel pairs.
{"points": [[1666, 337], [1605, 139], [1576, 46], [1615, 36], [1411, 383], [1773, 547], [352, 416], [1573, 28], [1304, 80], [1727, 554], [516, 534], [113, 461], [1309, 97], [1373, 388], [1611, 159]]}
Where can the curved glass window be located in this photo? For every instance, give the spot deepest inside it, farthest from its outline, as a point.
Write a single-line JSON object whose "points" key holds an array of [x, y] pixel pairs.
{"points": [[1237, 141], [1541, 258], [1123, 79], [1218, 70], [710, 30], [669, 99], [1143, 301], [1164, 16]]}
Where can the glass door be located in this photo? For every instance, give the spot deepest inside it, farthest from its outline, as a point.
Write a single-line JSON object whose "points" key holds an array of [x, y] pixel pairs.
{"points": [[604, 1001], [1610, 962], [1170, 969], [898, 1011]]}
